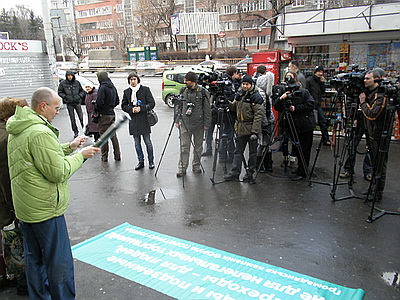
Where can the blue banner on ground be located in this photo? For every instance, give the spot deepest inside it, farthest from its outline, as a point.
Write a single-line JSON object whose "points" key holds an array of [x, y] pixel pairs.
{"points": [[186, 270]]}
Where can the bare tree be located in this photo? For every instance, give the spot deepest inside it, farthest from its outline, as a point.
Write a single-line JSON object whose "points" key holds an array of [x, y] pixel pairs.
{"points": [[72, 41]]}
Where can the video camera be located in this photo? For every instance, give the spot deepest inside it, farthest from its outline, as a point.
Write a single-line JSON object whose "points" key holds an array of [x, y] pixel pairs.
{"points": [[352, 84], [282, 88], [215, 84], [391, 90]]}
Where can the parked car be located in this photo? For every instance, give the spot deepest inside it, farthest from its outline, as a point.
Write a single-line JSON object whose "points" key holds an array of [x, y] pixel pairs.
{"points": [[242, 65], [173, 81], [147, 67], [67, 65], [218, 65], [60, 74]]}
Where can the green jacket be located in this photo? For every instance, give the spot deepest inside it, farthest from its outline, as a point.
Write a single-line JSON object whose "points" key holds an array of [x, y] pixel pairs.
{"points": [[39, 167], [249, 110]]}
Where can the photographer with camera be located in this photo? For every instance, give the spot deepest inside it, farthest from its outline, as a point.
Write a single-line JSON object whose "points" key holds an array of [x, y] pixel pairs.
{"points": [[192, 117], [248, 105], [299, 104], [373, 104]]}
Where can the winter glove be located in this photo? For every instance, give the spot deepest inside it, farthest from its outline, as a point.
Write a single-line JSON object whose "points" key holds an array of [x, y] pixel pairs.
{"points": [[253, 137]]}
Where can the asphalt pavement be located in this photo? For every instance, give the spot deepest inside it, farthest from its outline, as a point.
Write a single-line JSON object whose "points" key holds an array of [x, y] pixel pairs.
{"points": [[287, 224]]}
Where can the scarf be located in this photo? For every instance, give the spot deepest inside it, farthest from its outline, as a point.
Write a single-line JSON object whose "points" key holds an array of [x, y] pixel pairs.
{"points": [[134, 91]]}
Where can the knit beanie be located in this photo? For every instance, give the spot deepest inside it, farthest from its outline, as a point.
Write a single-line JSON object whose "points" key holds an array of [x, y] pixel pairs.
{"points": [[102, 75], [247, 78], [191, 76], [319, 68]]}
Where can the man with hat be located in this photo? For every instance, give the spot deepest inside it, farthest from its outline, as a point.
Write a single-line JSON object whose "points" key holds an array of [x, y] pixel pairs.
{"points": [[316, 87], [248, 105], [192, 117]]}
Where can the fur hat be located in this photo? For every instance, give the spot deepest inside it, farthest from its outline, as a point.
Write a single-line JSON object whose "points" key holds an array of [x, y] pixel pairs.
{"points": [[7, 106], [191, 76], [247, 78]]}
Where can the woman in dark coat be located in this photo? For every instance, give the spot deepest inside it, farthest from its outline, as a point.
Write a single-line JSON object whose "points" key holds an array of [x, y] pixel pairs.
{"points": [[137, 101], [90, 100]]}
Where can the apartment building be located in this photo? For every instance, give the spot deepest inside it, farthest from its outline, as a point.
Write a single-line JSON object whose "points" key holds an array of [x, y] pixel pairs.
{"points": [[100, 24]]}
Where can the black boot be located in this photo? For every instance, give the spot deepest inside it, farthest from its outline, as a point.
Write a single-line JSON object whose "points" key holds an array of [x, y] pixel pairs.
{"points": [[268, 162]]}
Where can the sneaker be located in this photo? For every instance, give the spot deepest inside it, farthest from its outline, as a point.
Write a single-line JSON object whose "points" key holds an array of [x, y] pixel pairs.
{"points": [[151, 165], [378, 198], [368, 177], [345, 174], [327, 143], [231, 177], [139, 166], [197, 170]]}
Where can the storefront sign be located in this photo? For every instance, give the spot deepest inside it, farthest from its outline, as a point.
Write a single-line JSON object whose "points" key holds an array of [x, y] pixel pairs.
{"points": [[186, 270], [18, 46]]}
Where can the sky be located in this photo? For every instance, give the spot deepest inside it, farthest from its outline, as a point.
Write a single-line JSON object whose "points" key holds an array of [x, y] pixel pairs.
{"points": [[35, 5]]}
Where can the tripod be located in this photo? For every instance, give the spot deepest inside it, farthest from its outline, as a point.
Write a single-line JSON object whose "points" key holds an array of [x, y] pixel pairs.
{"points": [[289, 133], [349, 116], [178, 117], [336, 99], [380, 164]]}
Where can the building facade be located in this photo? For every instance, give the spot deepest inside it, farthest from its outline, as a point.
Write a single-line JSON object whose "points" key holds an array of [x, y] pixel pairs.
{"points": [[100, 24]]}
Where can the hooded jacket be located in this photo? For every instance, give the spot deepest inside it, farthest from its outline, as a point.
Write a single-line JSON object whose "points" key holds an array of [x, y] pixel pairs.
{"points": [[39, 167], [107, 96], [71, 92]]}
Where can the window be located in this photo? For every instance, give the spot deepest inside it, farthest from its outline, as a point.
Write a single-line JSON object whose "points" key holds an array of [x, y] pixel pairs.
{"points": [[297, 3]]}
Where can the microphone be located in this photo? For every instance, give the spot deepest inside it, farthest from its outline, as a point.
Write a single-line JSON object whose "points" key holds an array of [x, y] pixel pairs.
{"points": [[139, 103]]}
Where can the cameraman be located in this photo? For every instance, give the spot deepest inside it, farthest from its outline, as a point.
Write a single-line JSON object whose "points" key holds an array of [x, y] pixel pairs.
{"points": [[194, 117], [316, 87], [248, 105], [300, 105], [231, 81], [373, 105]]}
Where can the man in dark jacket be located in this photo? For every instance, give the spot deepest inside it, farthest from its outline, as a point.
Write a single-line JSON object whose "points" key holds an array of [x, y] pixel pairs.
{"points": [[248, 105], [373, 105], [316, 87], [192, 117], [107, 99], [72, 94]]}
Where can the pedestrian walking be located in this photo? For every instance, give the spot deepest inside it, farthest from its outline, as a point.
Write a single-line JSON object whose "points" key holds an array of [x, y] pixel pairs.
{"points": [[107, 100], [72, 94]]}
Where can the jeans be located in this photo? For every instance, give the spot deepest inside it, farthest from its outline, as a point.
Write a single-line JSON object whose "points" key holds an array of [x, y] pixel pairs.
{"points": [[238, 157], [48, 260], [71, 112], [149, 147]]}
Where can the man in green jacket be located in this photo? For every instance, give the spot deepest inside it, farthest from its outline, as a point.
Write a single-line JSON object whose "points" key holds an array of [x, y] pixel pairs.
{"points": [[39, 170], [248, 105]]}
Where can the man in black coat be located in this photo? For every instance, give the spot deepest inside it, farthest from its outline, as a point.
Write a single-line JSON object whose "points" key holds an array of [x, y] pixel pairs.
{"points": [[316, 86], [72, 94], [107, 99]]}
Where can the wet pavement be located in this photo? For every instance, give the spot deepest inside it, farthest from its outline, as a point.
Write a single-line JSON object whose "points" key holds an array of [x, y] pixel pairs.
{"points": [[284, 223]]}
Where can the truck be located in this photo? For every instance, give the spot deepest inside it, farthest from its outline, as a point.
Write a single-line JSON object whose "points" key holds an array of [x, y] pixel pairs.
{"points": [[108, 60]]}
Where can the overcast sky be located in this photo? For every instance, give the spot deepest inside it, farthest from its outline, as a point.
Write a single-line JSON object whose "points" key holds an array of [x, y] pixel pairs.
{"points": [[35, 5]]}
